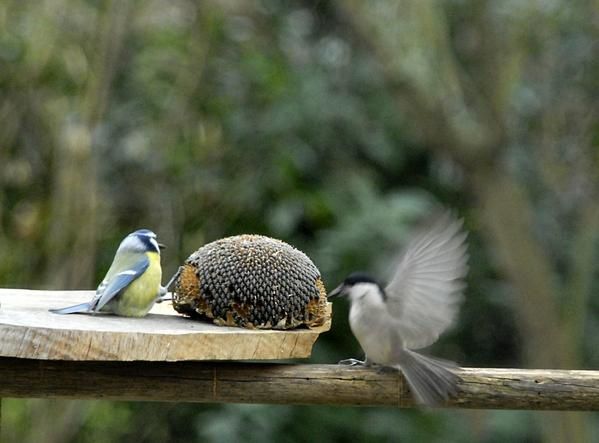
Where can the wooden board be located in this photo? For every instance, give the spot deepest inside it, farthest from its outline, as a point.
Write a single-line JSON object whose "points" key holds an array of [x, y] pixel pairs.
{"points": [[28, 330]]}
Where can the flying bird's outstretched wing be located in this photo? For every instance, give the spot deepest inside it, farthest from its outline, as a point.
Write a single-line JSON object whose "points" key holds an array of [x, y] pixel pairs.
{"points": [[426, 289]]}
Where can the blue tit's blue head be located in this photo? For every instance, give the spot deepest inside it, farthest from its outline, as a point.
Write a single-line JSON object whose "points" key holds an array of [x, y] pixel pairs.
{"points": [[142, 240]]}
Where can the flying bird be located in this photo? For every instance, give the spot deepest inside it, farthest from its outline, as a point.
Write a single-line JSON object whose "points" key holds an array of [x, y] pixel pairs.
{"points": [[421, 301]]}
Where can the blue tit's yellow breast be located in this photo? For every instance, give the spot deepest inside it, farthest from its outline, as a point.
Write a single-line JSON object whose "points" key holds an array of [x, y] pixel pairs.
{"points": [[138, 298]]}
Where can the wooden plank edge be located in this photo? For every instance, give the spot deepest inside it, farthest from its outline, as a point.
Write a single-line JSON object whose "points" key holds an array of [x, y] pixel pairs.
{"points": [[77, 345], [213, 382]]}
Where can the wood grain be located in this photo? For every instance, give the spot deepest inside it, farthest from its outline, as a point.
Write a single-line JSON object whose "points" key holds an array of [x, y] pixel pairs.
{"points": [[219, 382], [28, 330]]}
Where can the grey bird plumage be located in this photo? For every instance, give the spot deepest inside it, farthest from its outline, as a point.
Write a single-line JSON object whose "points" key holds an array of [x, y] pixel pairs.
{"points": [[420, 302]]}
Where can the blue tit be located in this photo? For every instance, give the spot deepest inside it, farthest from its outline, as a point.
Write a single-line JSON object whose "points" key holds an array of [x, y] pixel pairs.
{"points": [[132, 284]]}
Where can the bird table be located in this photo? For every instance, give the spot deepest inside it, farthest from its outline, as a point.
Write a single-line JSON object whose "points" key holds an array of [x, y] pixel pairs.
{"points": [[29, 331], [166, 357]]}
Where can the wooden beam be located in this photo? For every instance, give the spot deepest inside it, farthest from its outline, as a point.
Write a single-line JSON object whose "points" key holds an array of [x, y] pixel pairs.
{"points": [[289, 384]]}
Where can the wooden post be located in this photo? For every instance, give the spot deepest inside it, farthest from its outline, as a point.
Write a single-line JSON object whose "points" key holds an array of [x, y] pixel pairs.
{"points": [[213, 382]]}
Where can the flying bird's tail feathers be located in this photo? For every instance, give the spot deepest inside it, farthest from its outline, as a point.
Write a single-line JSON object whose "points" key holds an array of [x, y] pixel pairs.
{"points": [[82, 307], [431, 380]]}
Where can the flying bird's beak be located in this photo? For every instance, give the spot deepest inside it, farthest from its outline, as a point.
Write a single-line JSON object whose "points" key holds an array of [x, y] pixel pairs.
{"points": [[161, 245], [337, 292]]}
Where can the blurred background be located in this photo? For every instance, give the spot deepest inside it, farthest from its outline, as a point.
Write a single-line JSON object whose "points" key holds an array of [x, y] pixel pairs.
{"points": [[333, 125]]}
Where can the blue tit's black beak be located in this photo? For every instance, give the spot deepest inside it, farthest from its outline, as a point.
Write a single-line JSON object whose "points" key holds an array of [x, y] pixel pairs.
{"points": [[339, 291], [161, 246]]}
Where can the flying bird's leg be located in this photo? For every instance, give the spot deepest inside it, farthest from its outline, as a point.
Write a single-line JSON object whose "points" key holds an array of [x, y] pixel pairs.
{"points": [[352, 362], [356, 362]]}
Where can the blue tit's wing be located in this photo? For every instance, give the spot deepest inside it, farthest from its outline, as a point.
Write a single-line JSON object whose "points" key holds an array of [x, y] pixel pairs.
{"points": [[116, 281], [424, 295]]}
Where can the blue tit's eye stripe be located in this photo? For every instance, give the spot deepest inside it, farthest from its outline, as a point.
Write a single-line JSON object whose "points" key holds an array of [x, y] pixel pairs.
{"points": [[154, 243], [148, 242]]}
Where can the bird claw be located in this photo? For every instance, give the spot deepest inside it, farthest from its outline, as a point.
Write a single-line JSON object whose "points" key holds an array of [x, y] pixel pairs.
{"points": [[352, 362], [163, 298]]}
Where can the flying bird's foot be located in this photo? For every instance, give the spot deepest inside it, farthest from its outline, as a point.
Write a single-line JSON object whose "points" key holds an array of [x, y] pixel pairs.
{"points": [[353, 362]]}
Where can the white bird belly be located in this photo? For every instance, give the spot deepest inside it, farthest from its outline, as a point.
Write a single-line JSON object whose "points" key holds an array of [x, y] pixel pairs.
{"points": [[374, 331]]}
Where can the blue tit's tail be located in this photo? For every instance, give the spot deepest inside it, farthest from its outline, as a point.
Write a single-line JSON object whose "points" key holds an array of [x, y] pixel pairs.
{"points": [[82, 307], [431, 380]]}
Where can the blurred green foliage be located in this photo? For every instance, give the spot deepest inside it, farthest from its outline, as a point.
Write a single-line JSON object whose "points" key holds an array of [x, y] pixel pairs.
{"points": [[335, 126]]}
